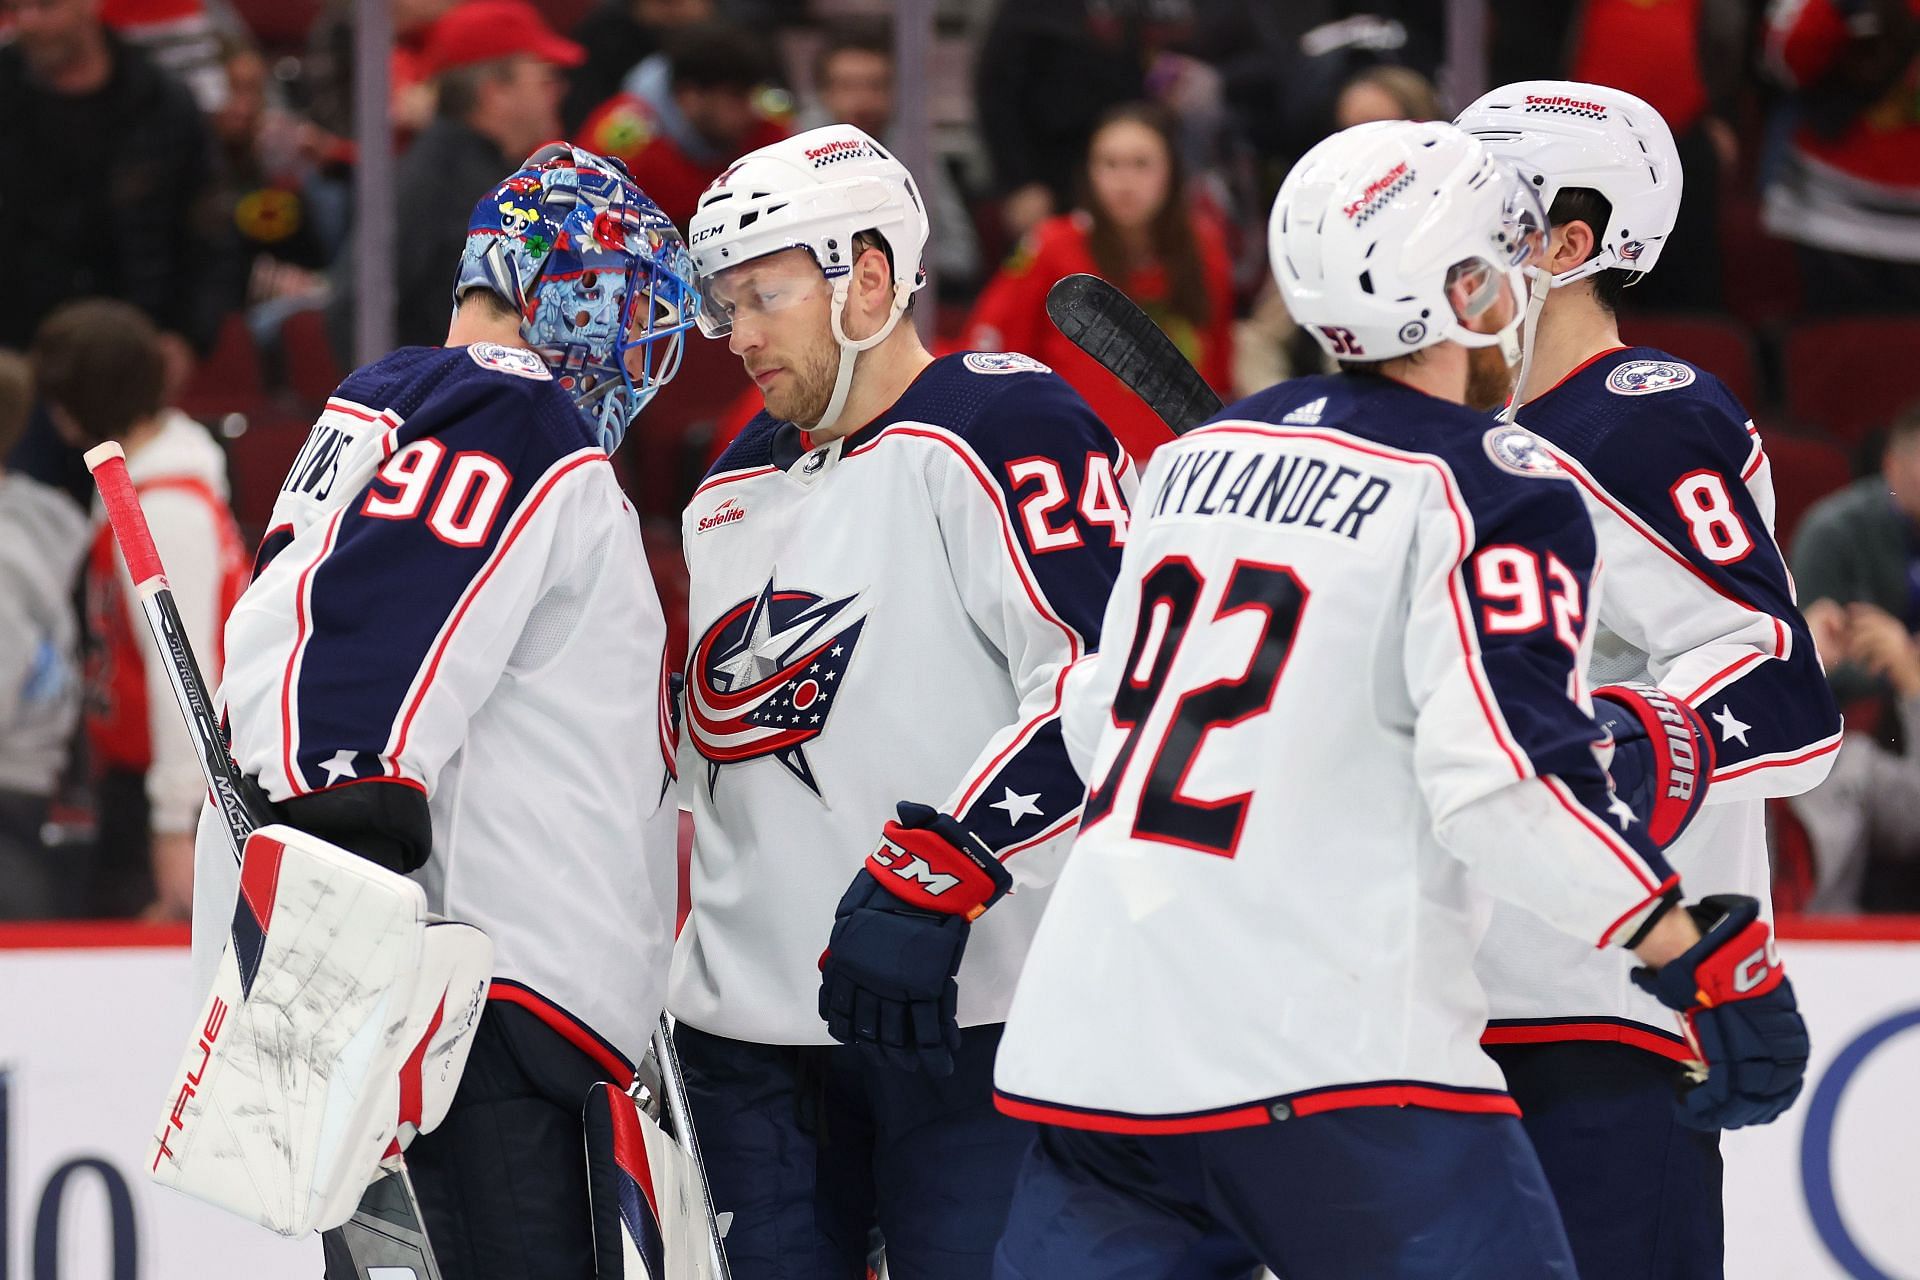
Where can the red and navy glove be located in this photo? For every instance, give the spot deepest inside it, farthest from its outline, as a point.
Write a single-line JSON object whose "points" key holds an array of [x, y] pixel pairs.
{"points": [[887, 978], [1662, 756], [1740, 1015]]}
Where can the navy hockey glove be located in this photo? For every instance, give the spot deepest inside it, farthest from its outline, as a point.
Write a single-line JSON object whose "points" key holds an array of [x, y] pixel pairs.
{"points": [[1740, 1016], [1662, 756], [887, 977]]}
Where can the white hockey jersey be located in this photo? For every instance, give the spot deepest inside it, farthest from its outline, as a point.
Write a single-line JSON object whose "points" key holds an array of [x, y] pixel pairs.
{"points": [[1339, 703], [452, 596], [885, 618], [1698, 601]]}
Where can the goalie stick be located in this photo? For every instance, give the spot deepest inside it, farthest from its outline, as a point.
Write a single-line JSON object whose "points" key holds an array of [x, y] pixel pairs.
{"points": [[384, 1238], [1106, 324]]}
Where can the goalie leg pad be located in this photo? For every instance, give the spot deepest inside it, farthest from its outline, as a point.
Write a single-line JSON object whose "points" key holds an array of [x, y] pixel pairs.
{"points": [[648, 1219], [289, 1095]]}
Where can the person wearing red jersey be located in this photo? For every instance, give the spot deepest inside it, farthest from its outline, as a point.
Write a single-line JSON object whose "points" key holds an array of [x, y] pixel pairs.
{"points": [[100, 366], [1137, 230]]}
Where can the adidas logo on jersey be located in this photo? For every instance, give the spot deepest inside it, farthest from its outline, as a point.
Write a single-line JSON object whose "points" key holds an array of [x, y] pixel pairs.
{"points": [[1308, 414]]}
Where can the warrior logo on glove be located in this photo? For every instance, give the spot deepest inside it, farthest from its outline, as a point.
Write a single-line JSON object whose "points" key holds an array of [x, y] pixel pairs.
{"points": [[766, 676]]}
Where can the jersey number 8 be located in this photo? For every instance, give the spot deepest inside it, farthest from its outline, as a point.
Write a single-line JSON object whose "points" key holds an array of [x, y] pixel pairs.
{"points": [[468, 502], [1716, 528]]}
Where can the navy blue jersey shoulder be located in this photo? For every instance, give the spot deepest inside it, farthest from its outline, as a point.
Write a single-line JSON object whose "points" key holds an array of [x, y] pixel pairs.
{"points": [[1002, 405], [1398, 417], [1630, 409], [447, 393]]}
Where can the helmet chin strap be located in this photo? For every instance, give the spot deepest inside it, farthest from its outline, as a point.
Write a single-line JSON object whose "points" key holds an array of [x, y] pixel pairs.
{"points": [[1519, 349], [850, 349]]}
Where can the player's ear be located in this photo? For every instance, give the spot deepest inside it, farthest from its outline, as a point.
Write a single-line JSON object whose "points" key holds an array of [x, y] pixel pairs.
{"points": [[1572, 243]]}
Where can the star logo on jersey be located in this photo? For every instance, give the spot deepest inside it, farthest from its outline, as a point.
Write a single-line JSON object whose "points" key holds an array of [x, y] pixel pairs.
{"points": [[766, 676]]}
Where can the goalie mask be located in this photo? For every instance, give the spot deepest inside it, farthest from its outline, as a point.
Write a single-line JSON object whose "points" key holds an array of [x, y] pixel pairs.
{"points": [[599, 275], [1386, 237]]}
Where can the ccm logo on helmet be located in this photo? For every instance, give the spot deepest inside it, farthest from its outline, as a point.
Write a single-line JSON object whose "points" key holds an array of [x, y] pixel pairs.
{"points": [[209, 1036], [706, 233], [911, 867], [1381, 189], [837, 150]]}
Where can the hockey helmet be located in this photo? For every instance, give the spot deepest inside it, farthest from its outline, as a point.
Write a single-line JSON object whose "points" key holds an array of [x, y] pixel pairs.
{"points": [[1386, 235], [813, 191], [1563, 133], [596, 271]]}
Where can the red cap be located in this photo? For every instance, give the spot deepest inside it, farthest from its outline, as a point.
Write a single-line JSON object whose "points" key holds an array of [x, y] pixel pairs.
{"points": [[483, 30]]}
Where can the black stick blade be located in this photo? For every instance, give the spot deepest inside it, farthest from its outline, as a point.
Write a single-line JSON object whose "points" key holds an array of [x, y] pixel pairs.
{"points": [[1103, 322]]}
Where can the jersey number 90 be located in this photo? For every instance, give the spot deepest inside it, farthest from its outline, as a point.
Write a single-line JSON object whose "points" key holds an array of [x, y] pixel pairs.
{"points": [[1168, 597], [466, 504]]}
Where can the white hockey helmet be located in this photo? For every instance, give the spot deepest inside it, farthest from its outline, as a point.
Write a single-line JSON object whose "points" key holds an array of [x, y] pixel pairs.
{"points": [[1385, 234], [1564, 133], [813, 191]]}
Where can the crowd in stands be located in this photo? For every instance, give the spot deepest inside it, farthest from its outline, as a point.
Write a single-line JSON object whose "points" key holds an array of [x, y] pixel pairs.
{"points": [[176, 191]]}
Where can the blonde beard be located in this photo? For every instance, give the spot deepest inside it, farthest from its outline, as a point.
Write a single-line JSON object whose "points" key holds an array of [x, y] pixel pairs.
{"points": [[1489, 379], [804, 401]]}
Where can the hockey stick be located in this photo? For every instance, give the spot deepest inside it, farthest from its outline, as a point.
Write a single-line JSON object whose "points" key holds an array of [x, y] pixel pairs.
{"points": [[385, 1237], [1103, 322], [681, 1113]]}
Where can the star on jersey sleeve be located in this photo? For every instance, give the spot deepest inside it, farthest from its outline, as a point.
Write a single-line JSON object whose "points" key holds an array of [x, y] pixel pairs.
{"points": [[1034, 510], [1684, 516]]}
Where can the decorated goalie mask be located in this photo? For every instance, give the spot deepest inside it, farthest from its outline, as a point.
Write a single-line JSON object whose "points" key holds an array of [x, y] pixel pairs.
{"points": [[599, 275]]}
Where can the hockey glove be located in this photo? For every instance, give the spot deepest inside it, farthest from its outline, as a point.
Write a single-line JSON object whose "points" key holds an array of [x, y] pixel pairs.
{"points": [[1662, 756], [1740, 1016], [887, 977]]}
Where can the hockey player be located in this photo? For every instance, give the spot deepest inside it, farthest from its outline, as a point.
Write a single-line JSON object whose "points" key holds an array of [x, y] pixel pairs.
{"points": [[1340, 702], [449, 662], [1698, 601], [891, 567]]}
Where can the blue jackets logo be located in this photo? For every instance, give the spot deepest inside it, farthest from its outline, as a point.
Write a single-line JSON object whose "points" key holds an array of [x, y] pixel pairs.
{"points": [[1644, 377], [767, 675]]}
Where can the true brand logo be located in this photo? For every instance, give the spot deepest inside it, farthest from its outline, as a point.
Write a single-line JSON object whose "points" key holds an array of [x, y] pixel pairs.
{"points": [[209, 1036]]}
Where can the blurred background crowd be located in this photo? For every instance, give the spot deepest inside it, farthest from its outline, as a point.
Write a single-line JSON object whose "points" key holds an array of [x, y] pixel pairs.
{"points": [[178, 196]]}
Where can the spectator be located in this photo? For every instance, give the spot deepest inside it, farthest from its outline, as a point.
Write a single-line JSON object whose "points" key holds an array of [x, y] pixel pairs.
{"points": [[1135, 228], [1863, 823], [328, 73], [182, 36], [1385, 92], [1689, 62], [99, 367], [497, 74], [281, 245], [1846, 191], [684, 114], [853, 84], [123, 206], [618, 36], [1862, 545], [42, 538]]}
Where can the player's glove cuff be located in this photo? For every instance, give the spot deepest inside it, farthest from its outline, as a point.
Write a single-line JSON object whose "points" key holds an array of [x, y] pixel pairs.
{"points": [[928, 860], [1740, 1015], [1662, 756]]}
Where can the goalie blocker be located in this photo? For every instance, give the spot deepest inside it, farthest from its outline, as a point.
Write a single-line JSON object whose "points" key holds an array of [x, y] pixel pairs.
{"points": [[339, 1023]]}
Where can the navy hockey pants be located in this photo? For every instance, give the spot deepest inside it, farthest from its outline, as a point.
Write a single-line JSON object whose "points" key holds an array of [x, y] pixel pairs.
{"points": [[813, 1147], [502, 1181], [1639, 1191], [1384, 1193]]}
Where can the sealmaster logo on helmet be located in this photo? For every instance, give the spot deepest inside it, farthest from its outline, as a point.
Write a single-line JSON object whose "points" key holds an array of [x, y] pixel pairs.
{"points": [[1562, 103], [1378, 192], [837, 150]]}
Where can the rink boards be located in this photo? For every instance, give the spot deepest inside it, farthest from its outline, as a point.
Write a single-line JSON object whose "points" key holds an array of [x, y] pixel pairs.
{"points": [[92, 1020]]}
